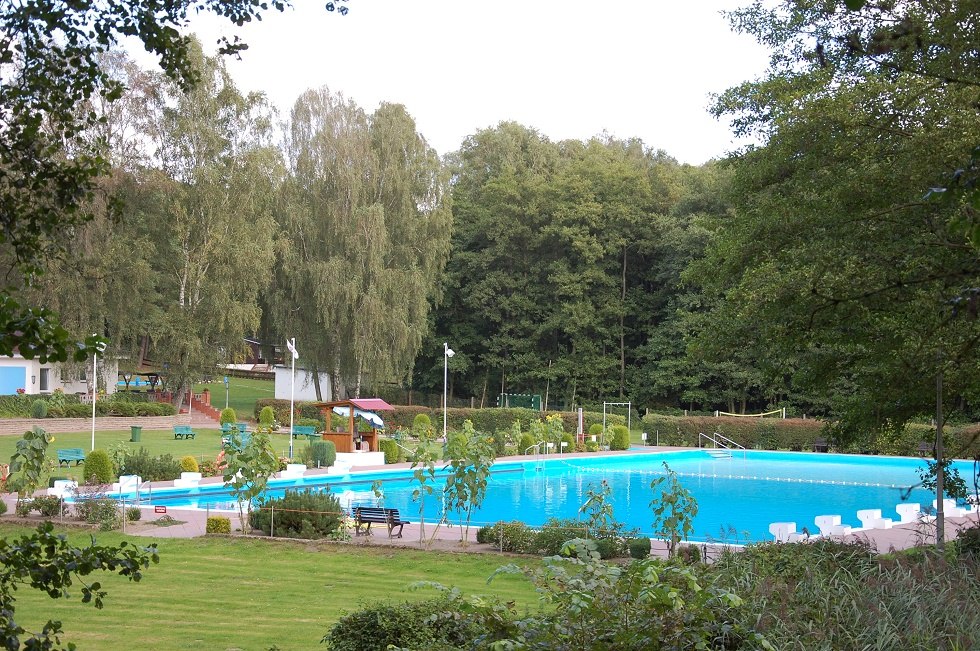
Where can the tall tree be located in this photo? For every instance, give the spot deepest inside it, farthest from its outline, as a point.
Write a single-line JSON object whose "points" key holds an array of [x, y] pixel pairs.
{"points": [[209, 213], [366, 227], [834, 268], [49, 65]]}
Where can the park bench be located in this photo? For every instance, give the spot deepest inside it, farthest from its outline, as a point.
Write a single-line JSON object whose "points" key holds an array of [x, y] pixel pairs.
{"points": [[183, 432], [821, 445], [306, 430], [67, 455], [368, 515]]}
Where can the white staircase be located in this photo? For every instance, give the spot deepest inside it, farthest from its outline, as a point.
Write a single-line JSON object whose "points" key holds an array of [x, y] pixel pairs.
{"points": [[719, 453]]}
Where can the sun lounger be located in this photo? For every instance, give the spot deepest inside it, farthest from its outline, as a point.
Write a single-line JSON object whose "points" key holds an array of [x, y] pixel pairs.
{"points": [[826, 522], [781, 531], [871, 519]]}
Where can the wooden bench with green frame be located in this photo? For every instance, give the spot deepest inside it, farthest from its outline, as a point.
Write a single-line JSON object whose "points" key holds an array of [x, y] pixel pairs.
{"points": [[309, 431]]}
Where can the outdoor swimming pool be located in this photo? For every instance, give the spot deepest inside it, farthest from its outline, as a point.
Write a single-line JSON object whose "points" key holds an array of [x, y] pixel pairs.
{"points": [[738, 497]]}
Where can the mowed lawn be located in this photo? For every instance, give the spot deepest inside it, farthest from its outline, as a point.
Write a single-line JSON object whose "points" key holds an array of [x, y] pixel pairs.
{"points": [[242, 394], [205, 445], [250, 594]]}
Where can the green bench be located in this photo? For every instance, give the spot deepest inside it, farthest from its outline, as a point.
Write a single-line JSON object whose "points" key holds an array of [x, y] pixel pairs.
{"points": [[308, 431], [67, 455], [243, 440], [183, 432]]}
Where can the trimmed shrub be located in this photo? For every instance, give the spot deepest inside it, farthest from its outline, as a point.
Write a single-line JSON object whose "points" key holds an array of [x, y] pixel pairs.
{"points": [[639, 548], [218, 524], [421, 424], [298, 514], [48, 505], [78, 411], [591, 446], [751, 433], [569, 441], [391, 450], [267, 418], [188, 464], [39, 409], [595, 429], [607, 548], [620, 439], [133, 513], [526, 442], [98, 467], [430, 624], [150, 468], [555, 533], [227, 416], [515, 537], [320, 454]]}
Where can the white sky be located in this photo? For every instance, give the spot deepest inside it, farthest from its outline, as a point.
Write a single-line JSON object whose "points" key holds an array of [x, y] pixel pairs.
{"points": [[568, 68]]}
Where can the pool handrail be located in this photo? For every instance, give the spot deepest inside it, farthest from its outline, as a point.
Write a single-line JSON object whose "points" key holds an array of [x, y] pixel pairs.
{"points": [[720, 441]]}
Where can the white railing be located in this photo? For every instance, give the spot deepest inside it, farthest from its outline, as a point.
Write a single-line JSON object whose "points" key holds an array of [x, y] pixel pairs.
{"points": [[720, 441]]}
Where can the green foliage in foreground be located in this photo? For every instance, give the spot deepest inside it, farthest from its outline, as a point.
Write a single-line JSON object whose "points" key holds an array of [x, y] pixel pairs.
{"points": [[289, 593], [823, 596], [51, 565]]}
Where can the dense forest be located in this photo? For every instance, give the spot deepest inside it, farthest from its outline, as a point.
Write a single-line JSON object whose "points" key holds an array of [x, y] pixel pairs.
{"points": [[831, 269]]}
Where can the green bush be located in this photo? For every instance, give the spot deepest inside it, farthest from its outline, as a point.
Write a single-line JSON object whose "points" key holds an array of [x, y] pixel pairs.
{"points": [[320, 454], [39, 409], [98, 467], [96, 508], [608, 548], [555, 533], [526, 441], [267, 418], [218, 524], [3, 507], [391, 450], [426, 625], [78, 411], [150, 468], [188, 464], [639, 548], [595, 430], [48, 505], [298, 514], [515, 537], [968, 541], [591, 446], [620, 439], [227, 416], [421, 424], [498, 442], [133, 513]]}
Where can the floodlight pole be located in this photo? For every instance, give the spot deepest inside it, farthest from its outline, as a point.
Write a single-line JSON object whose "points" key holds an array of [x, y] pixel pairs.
{"points": [[291, 345], [447, 352], [95, 391]]}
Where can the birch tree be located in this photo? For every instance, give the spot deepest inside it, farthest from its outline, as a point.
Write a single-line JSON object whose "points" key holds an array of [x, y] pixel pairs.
{"points": [[367, 226]]}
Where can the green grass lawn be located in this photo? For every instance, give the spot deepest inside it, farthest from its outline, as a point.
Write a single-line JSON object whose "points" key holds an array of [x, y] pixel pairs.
{"points": [[242, 394], [205, 445], [248, 594]]}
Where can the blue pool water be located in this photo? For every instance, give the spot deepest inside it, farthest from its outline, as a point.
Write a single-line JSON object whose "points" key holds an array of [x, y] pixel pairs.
{"points": [[737, 497]]}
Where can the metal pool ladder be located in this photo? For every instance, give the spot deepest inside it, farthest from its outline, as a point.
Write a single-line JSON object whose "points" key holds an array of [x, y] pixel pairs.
{"points": [[723, 445]]}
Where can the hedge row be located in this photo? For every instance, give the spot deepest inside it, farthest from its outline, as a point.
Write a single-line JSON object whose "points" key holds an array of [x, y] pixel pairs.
{"points": [[800, 434], [487, 420]]}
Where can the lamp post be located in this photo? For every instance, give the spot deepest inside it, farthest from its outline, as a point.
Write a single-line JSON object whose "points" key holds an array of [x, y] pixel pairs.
{"points": [[291, 345], [447, 352], [95, 384]]}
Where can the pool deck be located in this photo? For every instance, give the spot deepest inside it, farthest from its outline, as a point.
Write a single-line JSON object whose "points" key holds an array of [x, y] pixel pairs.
{"points": [[192, 522]]}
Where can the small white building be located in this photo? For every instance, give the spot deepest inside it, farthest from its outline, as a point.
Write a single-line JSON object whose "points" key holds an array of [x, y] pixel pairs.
{"points": [[304, 389], [36, 378]]}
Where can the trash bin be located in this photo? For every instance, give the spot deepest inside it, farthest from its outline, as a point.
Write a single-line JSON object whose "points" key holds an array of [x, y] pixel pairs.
{"points": [[135, 432]]}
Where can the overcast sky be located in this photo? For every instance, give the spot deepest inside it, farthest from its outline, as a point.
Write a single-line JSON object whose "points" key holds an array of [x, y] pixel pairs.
{"points": [[568, 68]]}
